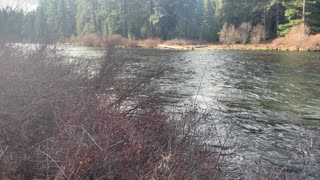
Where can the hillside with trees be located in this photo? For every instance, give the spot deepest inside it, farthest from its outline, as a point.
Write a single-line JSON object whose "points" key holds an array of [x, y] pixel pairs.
{"points": [[58, 20]]}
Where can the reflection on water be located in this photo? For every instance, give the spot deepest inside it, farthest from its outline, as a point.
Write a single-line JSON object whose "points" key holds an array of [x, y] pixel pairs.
{"points": [[274, 97]]}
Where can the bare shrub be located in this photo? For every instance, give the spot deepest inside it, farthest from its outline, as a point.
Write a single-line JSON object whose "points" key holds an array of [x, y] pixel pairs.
{"points": [[223, 34], [298, 39], [258, 34], [90, 39], [232, 35], [244, 32], [55, 123], [279, 41], [181, 42], [313, 42], [228, 34], [149, 43], [297, 35], [71, 40], [114, 40], [35, 87], [96, 40], [129, 42]]}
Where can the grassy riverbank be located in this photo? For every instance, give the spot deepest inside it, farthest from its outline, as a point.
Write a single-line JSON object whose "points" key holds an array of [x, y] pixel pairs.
{"points": [[311, 43], [249, 47], [260, 47]]}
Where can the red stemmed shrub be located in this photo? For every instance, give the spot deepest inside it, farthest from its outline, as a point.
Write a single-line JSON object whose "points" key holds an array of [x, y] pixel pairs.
{"points": [[56, 122]]}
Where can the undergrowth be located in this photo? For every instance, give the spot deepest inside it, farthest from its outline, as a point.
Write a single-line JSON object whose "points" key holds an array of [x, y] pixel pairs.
{"points": [[57, 123]]}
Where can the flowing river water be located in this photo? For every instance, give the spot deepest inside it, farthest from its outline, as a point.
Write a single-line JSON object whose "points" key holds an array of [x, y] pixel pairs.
{"points": [[273, 98]]}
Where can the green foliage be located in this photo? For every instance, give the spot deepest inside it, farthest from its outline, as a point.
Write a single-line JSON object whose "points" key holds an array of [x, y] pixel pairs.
{"points": [[284, 29], [313, 15], [294, 14], [84, 18], [209, 29]]}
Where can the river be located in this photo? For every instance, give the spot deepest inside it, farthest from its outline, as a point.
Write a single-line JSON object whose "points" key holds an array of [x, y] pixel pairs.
{"points": [[272, 97]]}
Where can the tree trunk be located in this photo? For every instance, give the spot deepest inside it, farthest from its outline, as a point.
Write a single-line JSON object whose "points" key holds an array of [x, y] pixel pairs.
{"points": [[278, 16], [94, 16], [150, 25], [304, 11], [265, 20]]}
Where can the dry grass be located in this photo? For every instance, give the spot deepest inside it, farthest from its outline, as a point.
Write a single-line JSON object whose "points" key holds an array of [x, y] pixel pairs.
{"points": [[297, 35], [149, 43], [312, 43], [289, 43], [89, 40], [129, 43], [98, 41], [181, 42], [298, 40]]}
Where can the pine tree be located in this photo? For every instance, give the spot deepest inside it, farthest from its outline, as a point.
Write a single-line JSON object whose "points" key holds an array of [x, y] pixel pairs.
{"points": [[294, 13], [84, 18], [167, 19], [209, 30], [41, 25], [312, 15]]}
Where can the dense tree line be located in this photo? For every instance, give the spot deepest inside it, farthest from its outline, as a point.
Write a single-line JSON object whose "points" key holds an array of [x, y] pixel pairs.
{"points": [[167, 19]]}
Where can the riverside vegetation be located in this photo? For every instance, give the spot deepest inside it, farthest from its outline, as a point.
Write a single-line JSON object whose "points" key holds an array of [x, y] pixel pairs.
{"points": [[83, 120], [253, 38], [61, 121]]}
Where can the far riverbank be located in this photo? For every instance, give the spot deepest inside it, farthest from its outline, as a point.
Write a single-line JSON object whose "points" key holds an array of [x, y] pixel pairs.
{"points": [[259, 47], [310, 43]]}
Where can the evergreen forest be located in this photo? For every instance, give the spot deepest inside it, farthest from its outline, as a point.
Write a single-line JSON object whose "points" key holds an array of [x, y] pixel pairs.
{"points": [[56, 20]]}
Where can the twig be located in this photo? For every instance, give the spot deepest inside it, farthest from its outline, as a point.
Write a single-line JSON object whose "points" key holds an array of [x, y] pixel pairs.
{"points": [[199, 88], [61, 170], [92, 139], [5, 152], [126, 94], [116, 144], [282, 169]]}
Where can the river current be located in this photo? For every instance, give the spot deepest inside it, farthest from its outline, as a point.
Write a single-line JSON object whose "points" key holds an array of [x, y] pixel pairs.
{"points": [[273, 99]]}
